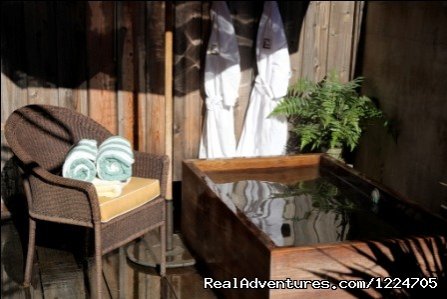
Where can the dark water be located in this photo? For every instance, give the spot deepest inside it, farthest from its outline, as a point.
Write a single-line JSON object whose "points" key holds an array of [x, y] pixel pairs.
{"points": [[318, 210]]}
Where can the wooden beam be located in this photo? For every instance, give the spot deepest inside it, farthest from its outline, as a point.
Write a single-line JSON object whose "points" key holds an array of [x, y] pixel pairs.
{"points": [[168, 92]]}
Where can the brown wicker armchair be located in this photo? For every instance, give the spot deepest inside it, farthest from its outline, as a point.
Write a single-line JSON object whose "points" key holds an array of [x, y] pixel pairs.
{"points": [[40, 136]]}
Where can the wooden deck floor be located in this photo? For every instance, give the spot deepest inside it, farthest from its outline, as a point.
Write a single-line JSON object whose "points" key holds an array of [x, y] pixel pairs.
{"points": [[61, 273]]}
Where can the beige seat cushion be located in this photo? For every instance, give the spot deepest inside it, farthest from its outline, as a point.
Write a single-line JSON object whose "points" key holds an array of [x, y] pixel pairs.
{"points": [[135, 194]]}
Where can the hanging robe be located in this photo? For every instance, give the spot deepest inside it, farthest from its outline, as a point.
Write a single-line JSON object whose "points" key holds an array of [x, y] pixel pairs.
{"points": [[222, 77], [264, 135]]}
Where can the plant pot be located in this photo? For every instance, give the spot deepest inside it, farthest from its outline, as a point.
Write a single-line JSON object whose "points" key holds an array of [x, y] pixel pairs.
{"points": [[335, 153]]}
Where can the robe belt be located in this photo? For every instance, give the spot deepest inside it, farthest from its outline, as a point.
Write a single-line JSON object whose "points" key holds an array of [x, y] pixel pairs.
{"points": [[263, 87], [213, 102]]}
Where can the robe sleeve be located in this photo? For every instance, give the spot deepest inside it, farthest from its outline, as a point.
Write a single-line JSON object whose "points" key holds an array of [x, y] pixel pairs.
{"points": [[222, 70], [281, 74], [281, 59]]}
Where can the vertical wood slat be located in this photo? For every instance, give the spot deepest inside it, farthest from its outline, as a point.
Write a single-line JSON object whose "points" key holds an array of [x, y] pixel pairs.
{"points": [[80, 93], [155, 82], [65, 42], [125, 71], [356, 29], [298, 57], [101, 63], [292, 14], [139, 22], [322, 17], [41, 52], [340, 38], [307, 48], [119, 47], [71, 58], [188, 100], [13, 64]]}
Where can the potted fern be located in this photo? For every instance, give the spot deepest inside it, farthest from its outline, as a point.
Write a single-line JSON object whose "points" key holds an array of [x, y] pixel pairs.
{"points": [[327, 116]]}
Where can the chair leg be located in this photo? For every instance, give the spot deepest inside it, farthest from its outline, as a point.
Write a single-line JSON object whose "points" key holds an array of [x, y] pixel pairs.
{"points": [[163, 249], [30, 253], [98, 262]]}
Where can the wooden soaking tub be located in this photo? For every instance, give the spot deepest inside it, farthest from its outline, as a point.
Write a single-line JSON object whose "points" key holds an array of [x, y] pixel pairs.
{"points": [[306, 217]]}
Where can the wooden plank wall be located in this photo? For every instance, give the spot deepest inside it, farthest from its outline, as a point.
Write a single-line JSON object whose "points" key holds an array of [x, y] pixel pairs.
{"points": [[102, 59], [106, 60], [404, 62]]}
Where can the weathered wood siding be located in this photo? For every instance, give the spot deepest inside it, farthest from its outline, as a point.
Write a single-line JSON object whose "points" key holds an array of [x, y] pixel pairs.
{"points": [[106, 60], [405, 65], [103, 59]]}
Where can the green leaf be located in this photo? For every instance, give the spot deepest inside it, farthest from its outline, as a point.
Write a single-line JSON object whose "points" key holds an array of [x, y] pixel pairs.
{"points": [[327, 113]]}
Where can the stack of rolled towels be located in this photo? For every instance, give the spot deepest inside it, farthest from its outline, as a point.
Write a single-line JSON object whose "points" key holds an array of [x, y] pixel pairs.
{"points": [[108, 167]]}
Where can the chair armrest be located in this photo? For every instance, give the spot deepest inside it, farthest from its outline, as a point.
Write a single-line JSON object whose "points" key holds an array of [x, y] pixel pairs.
{"points": [[152, 166], [61, 199]]}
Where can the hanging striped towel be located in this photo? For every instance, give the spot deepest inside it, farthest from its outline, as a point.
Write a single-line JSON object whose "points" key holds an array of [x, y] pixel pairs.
{"points": [[115, 159], [80, 161]]}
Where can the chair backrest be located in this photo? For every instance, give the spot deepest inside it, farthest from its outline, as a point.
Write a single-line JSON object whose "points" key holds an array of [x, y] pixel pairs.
{"points": [[44, 134]]}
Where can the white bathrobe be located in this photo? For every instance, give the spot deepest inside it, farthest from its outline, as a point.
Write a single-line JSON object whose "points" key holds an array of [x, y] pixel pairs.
{"points": [[222, 77], [263, 135]]}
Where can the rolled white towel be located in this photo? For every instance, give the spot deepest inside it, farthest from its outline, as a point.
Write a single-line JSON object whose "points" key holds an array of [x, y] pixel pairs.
{"points": [[115, 159], [80, 161]]}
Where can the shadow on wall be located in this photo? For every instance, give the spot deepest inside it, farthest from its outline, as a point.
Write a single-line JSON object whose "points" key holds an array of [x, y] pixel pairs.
{"points": [[65, 44]]}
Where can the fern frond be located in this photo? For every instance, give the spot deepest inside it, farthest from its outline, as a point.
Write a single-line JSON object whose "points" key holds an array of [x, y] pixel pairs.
{"points": [[329, 113]]}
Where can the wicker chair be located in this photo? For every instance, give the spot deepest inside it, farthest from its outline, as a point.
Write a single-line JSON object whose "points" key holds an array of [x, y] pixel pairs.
{"points": [[40, 137]]}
